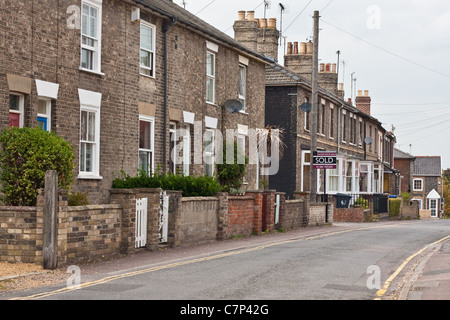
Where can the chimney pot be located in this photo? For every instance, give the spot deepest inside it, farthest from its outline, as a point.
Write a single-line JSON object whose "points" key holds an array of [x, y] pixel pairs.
{"points": [[333, 67], [341, 87], [263, 23], [241, 15], [250, 15], [322, 67], [289, 48], [309, 48], [272, 23], [366, 93], [303, 48], [328, 67], [360, 93], [295, 48]]}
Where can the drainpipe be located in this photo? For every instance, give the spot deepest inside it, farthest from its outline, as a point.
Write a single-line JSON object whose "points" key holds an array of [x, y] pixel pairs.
{"points": [[166, 27]]}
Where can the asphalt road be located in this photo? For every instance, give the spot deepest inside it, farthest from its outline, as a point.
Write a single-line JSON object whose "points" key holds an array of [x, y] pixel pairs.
{"points": [[338, 263]]}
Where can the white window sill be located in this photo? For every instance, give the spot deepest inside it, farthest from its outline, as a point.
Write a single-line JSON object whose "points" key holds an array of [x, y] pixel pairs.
{"points": [[243, 112], [89, 177], [212, 104], [92, 71], [147, 76]]}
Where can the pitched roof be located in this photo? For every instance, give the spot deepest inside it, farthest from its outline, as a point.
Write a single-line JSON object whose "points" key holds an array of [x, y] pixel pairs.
{"points": [[278, 75], [175, 12], [427, 166], [399, 154]]}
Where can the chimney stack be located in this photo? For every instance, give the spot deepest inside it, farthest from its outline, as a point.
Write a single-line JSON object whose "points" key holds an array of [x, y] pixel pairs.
{"points": [[363, 102], [259, 35], [300, 61], [328, 77]]}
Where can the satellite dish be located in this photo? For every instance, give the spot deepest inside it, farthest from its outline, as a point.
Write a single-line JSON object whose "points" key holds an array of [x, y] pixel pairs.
{"points": [[306, 107], [368, 140], [233, 106]]}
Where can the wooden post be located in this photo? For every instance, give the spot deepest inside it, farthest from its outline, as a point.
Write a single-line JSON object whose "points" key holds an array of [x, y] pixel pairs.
{"points": [[49, 250]]}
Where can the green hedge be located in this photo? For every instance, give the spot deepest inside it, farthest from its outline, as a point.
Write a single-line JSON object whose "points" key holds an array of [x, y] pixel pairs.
{"points": [[394, 207], [27, 153], [202, 186]]}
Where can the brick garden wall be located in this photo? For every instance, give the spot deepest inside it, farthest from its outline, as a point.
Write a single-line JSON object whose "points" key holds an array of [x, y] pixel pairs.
{"points": [[89, 232], [351, 215], [199, 219], [241, 210], [293, 215], [94, 232], [21, 236]]}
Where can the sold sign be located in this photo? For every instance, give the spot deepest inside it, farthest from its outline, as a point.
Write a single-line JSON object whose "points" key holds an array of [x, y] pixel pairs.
{"points": [[325, 160]]}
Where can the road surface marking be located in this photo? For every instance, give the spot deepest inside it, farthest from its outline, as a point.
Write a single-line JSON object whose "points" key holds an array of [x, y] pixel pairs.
{"points": [[182, 263], [382, 291]]}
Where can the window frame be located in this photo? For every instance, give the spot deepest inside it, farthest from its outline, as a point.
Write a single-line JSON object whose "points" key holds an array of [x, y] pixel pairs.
{"points": [[242, 97], [210, 154], [95, 172], [151, 120], [414, 184], [48, 112], [344, 126], [21, 111], [186, 149], [173, 141], [152, 68], [332, 116], [211, 77], [96, 49], [307, 124]]}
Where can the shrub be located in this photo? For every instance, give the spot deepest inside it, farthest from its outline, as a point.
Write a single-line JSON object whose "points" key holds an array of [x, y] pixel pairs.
{"points": [[363, 203], [406, 196], [27, 153], [78, 199], [190, 186], [231, 176]]}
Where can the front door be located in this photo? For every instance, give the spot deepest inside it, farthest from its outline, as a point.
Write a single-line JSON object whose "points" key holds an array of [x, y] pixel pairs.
{"points": [[433, 208]]}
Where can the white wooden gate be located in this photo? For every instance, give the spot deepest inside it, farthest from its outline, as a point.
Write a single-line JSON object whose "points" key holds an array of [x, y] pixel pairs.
{"points": [[163, 217], [141, 222]]}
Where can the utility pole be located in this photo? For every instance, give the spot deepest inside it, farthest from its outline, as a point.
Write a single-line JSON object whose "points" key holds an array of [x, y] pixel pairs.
{"points": [[315, 107]]}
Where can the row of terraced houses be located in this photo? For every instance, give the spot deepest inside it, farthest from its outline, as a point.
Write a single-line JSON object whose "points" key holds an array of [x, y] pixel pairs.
{"points": [[118, 79]]}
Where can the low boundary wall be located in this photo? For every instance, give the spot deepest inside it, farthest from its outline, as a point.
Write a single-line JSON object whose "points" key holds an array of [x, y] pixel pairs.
{"points": [[94, 232]]}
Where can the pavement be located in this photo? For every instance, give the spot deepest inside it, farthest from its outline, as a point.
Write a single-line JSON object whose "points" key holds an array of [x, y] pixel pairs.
{"points": [[431, 278]]}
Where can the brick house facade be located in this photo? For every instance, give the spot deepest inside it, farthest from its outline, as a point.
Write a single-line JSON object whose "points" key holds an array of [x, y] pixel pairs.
{"points": [[118, 79], [342, 126], [427, 185]]}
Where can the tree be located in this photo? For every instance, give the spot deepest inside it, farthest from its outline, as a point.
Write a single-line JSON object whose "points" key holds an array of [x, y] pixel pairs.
{"points": [[27, 153], [446, 182]]}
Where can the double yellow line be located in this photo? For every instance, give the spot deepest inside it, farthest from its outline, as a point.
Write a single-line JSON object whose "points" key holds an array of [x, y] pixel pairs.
{"points": [[382, 291], [176, 264]]}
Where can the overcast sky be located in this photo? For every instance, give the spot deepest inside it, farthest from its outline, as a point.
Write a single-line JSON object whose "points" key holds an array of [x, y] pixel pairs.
{"points": [[399, 51]]}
